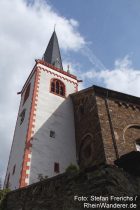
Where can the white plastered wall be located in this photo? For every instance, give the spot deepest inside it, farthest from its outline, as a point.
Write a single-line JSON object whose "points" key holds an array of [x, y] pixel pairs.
{"points": [[17, 150], [53, 113]]}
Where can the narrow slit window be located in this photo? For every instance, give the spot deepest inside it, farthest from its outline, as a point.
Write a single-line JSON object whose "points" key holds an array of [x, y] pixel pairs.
{"points": [[27, 92], [56, 168], [52, 134], [14, 168], [22, 116]]}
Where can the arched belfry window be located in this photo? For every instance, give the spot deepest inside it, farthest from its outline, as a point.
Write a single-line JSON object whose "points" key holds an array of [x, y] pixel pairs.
{"points": [[57, 87]]}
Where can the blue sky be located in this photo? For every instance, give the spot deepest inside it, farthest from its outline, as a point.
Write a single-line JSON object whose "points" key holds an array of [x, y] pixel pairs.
{"points": [[111, 27], [100, 39], [111, 30]]}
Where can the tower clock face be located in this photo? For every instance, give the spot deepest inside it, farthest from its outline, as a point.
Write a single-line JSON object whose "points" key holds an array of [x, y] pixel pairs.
{"points": [[86, 152]]}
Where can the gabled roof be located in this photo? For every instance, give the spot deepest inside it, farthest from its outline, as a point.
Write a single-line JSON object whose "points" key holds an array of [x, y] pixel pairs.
{"points": [[52, 54]]}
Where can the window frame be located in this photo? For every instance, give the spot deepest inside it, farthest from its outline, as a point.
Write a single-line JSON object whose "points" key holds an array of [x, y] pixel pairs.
{"points": [[57, 87], [22, 116], [14, 168], [52, 134], [56, 167], [27, 93]]}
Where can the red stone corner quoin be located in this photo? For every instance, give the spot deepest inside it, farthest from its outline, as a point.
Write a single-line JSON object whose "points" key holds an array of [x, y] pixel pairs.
{"points": [[30, 132]]}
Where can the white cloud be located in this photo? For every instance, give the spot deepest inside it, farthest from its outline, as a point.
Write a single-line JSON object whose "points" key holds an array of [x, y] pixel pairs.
{"points": [[25, 32], [122, 78]]}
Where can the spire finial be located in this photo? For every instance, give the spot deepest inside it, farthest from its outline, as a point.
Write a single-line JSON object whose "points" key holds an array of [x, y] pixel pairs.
{"points": [[54, 26], [52, 54]]}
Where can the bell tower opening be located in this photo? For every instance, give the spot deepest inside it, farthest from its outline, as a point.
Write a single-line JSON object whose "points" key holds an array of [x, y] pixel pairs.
{"points": [[57, 87]]}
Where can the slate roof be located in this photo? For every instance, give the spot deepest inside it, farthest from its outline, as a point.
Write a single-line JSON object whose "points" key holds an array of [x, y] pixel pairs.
{"points": [[52, 54]]}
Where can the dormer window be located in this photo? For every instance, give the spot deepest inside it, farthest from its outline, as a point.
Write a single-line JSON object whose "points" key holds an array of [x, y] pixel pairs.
{"points": [[58, 87]]}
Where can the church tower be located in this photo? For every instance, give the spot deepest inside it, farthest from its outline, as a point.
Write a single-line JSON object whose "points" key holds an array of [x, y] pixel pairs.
{"points": [[44, 137]]}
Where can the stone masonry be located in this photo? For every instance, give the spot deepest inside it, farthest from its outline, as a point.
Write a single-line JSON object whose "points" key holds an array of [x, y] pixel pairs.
{"points": [[107, 125], [57, 193]]}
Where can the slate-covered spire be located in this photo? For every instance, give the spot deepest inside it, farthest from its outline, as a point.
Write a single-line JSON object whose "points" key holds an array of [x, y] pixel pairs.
{"points": [[52, 54]]}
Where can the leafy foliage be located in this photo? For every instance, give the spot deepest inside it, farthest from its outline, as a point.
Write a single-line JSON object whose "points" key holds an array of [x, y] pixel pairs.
{"points": [[72, 169], [3, 194]]}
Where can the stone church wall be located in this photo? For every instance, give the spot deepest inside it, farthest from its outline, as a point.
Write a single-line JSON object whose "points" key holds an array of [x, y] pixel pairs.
{"points": [[107, 125], [120, 127], [90, 149]]}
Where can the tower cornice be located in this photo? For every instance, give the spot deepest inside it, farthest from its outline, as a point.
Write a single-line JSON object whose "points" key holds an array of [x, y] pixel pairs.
{"points": [[38, 61], [44, 63]]}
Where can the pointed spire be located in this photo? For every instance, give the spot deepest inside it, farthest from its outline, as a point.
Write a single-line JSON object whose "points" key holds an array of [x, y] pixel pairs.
{"points": [[52, 54]]}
